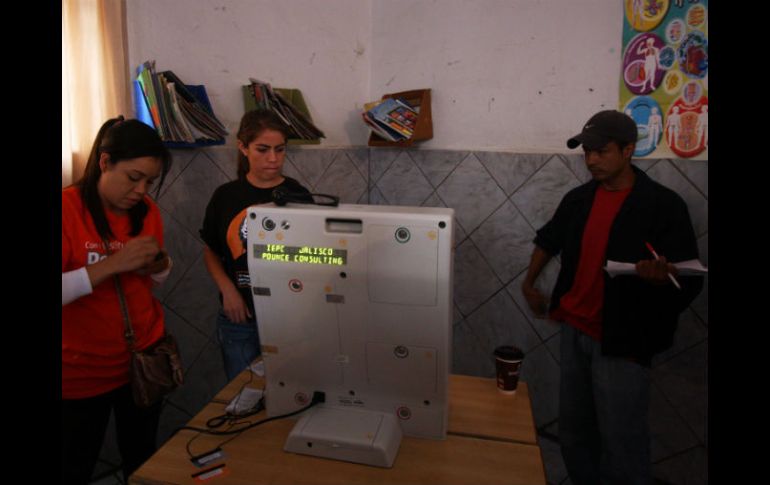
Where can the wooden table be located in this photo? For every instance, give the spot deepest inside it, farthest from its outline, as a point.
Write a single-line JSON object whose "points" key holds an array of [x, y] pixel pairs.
{"points": [[478, 409], [491, 440]]}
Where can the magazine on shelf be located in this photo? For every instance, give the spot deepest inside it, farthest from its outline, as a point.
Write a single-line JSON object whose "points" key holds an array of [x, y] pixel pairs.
{"points": [[174, 131], [144, 77], [178, 116], [381, 129], [261, 95], [180, 113], [392, 115]]}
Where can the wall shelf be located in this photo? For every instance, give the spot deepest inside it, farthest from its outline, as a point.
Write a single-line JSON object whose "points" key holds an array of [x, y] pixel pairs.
{"points": [[423, 129]]}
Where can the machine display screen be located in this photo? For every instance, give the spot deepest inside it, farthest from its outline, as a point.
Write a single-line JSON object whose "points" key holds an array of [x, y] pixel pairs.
{"points": [[301, 254]]}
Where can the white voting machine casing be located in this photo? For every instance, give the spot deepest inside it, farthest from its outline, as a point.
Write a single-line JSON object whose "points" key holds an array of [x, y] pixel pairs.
{"points": [[360, 436], [355, 302]]}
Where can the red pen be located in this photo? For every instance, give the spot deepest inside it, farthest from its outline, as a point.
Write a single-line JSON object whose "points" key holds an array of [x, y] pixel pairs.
{"points": [[657, 258]]}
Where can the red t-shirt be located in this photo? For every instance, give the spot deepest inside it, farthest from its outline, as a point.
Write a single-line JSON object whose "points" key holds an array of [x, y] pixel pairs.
{"points": [[582, 305], [95, 355]]}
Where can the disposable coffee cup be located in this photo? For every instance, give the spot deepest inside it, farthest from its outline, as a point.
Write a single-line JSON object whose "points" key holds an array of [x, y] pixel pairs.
{"points": [[508, 362]]}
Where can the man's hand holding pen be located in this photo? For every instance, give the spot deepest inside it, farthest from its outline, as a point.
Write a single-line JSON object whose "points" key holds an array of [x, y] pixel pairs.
{"points": [[657, 270]]}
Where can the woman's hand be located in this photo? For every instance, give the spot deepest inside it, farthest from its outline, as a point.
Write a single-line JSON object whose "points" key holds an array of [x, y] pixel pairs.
{"points": [[157, 265], [135, 254], [234, 307]]}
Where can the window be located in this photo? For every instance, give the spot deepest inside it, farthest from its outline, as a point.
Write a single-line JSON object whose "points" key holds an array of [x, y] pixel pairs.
{"points": [[95, 76]]}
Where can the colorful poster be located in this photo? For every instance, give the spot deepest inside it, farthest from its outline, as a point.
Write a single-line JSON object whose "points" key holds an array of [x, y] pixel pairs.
{"points": [[664, 77]]}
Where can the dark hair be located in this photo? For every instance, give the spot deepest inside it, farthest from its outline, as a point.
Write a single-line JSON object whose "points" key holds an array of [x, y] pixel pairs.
{"points": [[253, 124], [123, 140]]}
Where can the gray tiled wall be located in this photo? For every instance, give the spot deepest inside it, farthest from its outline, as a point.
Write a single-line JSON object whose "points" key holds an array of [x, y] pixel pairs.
{"points": [[500, 199]]}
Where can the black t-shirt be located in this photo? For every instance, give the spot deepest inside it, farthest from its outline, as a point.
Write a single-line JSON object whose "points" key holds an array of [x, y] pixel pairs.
{"points": [[224, 227]]}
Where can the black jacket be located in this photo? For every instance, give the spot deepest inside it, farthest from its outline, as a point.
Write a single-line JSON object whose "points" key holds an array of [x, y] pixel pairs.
{"points": [[638, 319]]}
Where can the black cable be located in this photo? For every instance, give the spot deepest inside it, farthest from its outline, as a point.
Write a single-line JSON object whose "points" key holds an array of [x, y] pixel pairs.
{"points": [[238, 395], [187, 446], [281, 197], [222, 433], [233, 422], [318, 398], [230, 418]]}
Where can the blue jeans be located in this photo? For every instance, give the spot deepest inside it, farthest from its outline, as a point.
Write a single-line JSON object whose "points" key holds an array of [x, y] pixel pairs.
{"points": [[239, 343], [603, 414]]}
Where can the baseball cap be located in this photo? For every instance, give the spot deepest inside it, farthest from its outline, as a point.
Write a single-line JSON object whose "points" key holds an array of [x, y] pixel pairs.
{"points": [[604, 127]]}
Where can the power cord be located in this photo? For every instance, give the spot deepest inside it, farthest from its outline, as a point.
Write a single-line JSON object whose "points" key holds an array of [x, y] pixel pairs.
{"points": [[229, 418], [234, 420]]}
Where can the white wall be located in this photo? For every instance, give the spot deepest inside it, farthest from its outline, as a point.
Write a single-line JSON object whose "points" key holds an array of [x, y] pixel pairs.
{"points": [[519, 75], [512, 75], [319, 47]]}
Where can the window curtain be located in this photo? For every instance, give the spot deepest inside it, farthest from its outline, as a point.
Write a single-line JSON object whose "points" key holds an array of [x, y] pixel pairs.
{"points": [[95, 76]]}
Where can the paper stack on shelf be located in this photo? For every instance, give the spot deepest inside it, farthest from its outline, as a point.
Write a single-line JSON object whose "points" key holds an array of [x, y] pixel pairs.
{"points": [[181, 113], [260, 95]]}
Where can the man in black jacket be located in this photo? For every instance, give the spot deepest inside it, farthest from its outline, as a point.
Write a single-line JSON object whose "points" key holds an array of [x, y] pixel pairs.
{"points": [[612, 326]]}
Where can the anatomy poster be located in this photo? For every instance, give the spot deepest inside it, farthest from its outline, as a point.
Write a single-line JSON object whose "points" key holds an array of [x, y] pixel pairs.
{"points": [[664, 79]]}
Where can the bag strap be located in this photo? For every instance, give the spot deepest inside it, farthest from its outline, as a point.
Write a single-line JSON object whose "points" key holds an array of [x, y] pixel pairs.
{"points": [[129, 333], [129, 330]]}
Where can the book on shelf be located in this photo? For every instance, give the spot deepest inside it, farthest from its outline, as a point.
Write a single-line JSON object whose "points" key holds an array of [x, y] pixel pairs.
{"points": [[187, 92], [163, 107], [391, 118], [144, 76], [180, 113], [198, 116], [383, 130], [258, 92], [169, 122], [177, 115], [409, 112], [287, 104]]}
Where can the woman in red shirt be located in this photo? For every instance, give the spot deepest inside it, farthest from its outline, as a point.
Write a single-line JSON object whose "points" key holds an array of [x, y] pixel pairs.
{"points": [[110, 228]]}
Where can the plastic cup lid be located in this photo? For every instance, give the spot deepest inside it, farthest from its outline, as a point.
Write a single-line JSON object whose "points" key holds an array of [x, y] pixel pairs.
{"points": [[509, 352]]}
